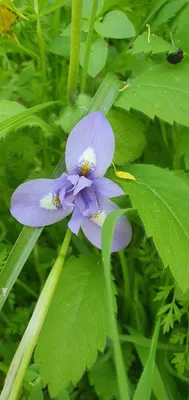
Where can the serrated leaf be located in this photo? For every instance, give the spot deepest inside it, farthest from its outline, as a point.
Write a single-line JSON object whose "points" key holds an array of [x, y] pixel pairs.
{"points": [[78, 315], [115, 25], [98, 56], [14, 115], [103, 376], [156, 45], [129, 137], [161, 91], [161, 198], [168, 11], [180, 29]]}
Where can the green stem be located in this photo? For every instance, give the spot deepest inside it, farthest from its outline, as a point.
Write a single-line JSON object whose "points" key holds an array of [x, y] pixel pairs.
{"points": [[26, 288], [88, 46], [164, 135], [74, 52], [25, 349], [40, 41]]}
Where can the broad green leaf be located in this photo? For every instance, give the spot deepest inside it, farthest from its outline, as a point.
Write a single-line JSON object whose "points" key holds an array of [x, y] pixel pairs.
{"points": [[87, 7], [115, 25], [63, 395], [156, 45], [12, 108], [161, 199], [161, 91], [180, 29], [36, 394], [98, 56], [60, 46], [71, 116], [158, 387], [103, 376], [129, 137], [78, 314], [20, 119], [102, 101], [107, 236]]}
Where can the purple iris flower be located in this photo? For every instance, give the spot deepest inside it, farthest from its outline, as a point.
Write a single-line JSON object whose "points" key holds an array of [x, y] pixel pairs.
{"points": [[81, 190]]}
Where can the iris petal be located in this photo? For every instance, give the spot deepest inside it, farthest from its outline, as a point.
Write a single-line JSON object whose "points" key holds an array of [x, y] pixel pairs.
{"points": [[76, 221], [122, 233], [29, 209], [106, 187], [92, 135]]}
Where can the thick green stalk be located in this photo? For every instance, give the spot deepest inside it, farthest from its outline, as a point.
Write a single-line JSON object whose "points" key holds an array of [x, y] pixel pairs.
{"points": [[25, 349], [88, 46], [74, 52]]}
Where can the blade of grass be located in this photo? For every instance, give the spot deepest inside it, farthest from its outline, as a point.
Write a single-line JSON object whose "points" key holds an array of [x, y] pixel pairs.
{"points": [[106, 95], [146, 382], [107, 236], [158, 387]]}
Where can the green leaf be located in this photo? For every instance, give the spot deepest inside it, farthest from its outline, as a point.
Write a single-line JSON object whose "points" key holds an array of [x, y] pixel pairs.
{"points": [[145, 384], [107, 236], [98, 56], [20, 118], [183, 145], [129, 137], [166, 89], [71, 116], [115, 25], [161, 198], [102, 101], [9, 109], [168, 11], [87, 7], [36, 394], [54, 5], [60, 46], [180, 29], [158, 387], [103, 376], [78, 314], [156, 45]]}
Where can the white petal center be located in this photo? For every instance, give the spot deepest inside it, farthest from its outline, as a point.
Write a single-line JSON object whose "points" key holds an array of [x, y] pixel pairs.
{"points": [[87, 160], [47, 202], [99, 217]]}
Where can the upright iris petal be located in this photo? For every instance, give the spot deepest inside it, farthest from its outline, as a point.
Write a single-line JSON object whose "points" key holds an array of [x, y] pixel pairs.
{"points": [[90, 146], [82, 190]]}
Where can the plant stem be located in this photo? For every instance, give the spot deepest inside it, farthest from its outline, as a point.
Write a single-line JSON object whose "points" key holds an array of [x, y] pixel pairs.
{"points": [[25, 349], [74, 52], [88, 46], [26, 288], [40, 41]]}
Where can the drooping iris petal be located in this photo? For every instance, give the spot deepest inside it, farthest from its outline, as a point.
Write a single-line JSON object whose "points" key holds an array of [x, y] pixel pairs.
{"points": [[76, 221], [92, 228], [36, 203], [90, 145], [107, 188]]}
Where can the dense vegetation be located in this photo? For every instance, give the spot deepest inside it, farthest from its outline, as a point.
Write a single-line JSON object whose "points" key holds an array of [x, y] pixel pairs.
{"points": [[59, 61]]}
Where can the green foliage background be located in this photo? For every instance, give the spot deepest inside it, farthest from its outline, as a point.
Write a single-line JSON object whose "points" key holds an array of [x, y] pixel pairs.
{"points": [[146, 100]]}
